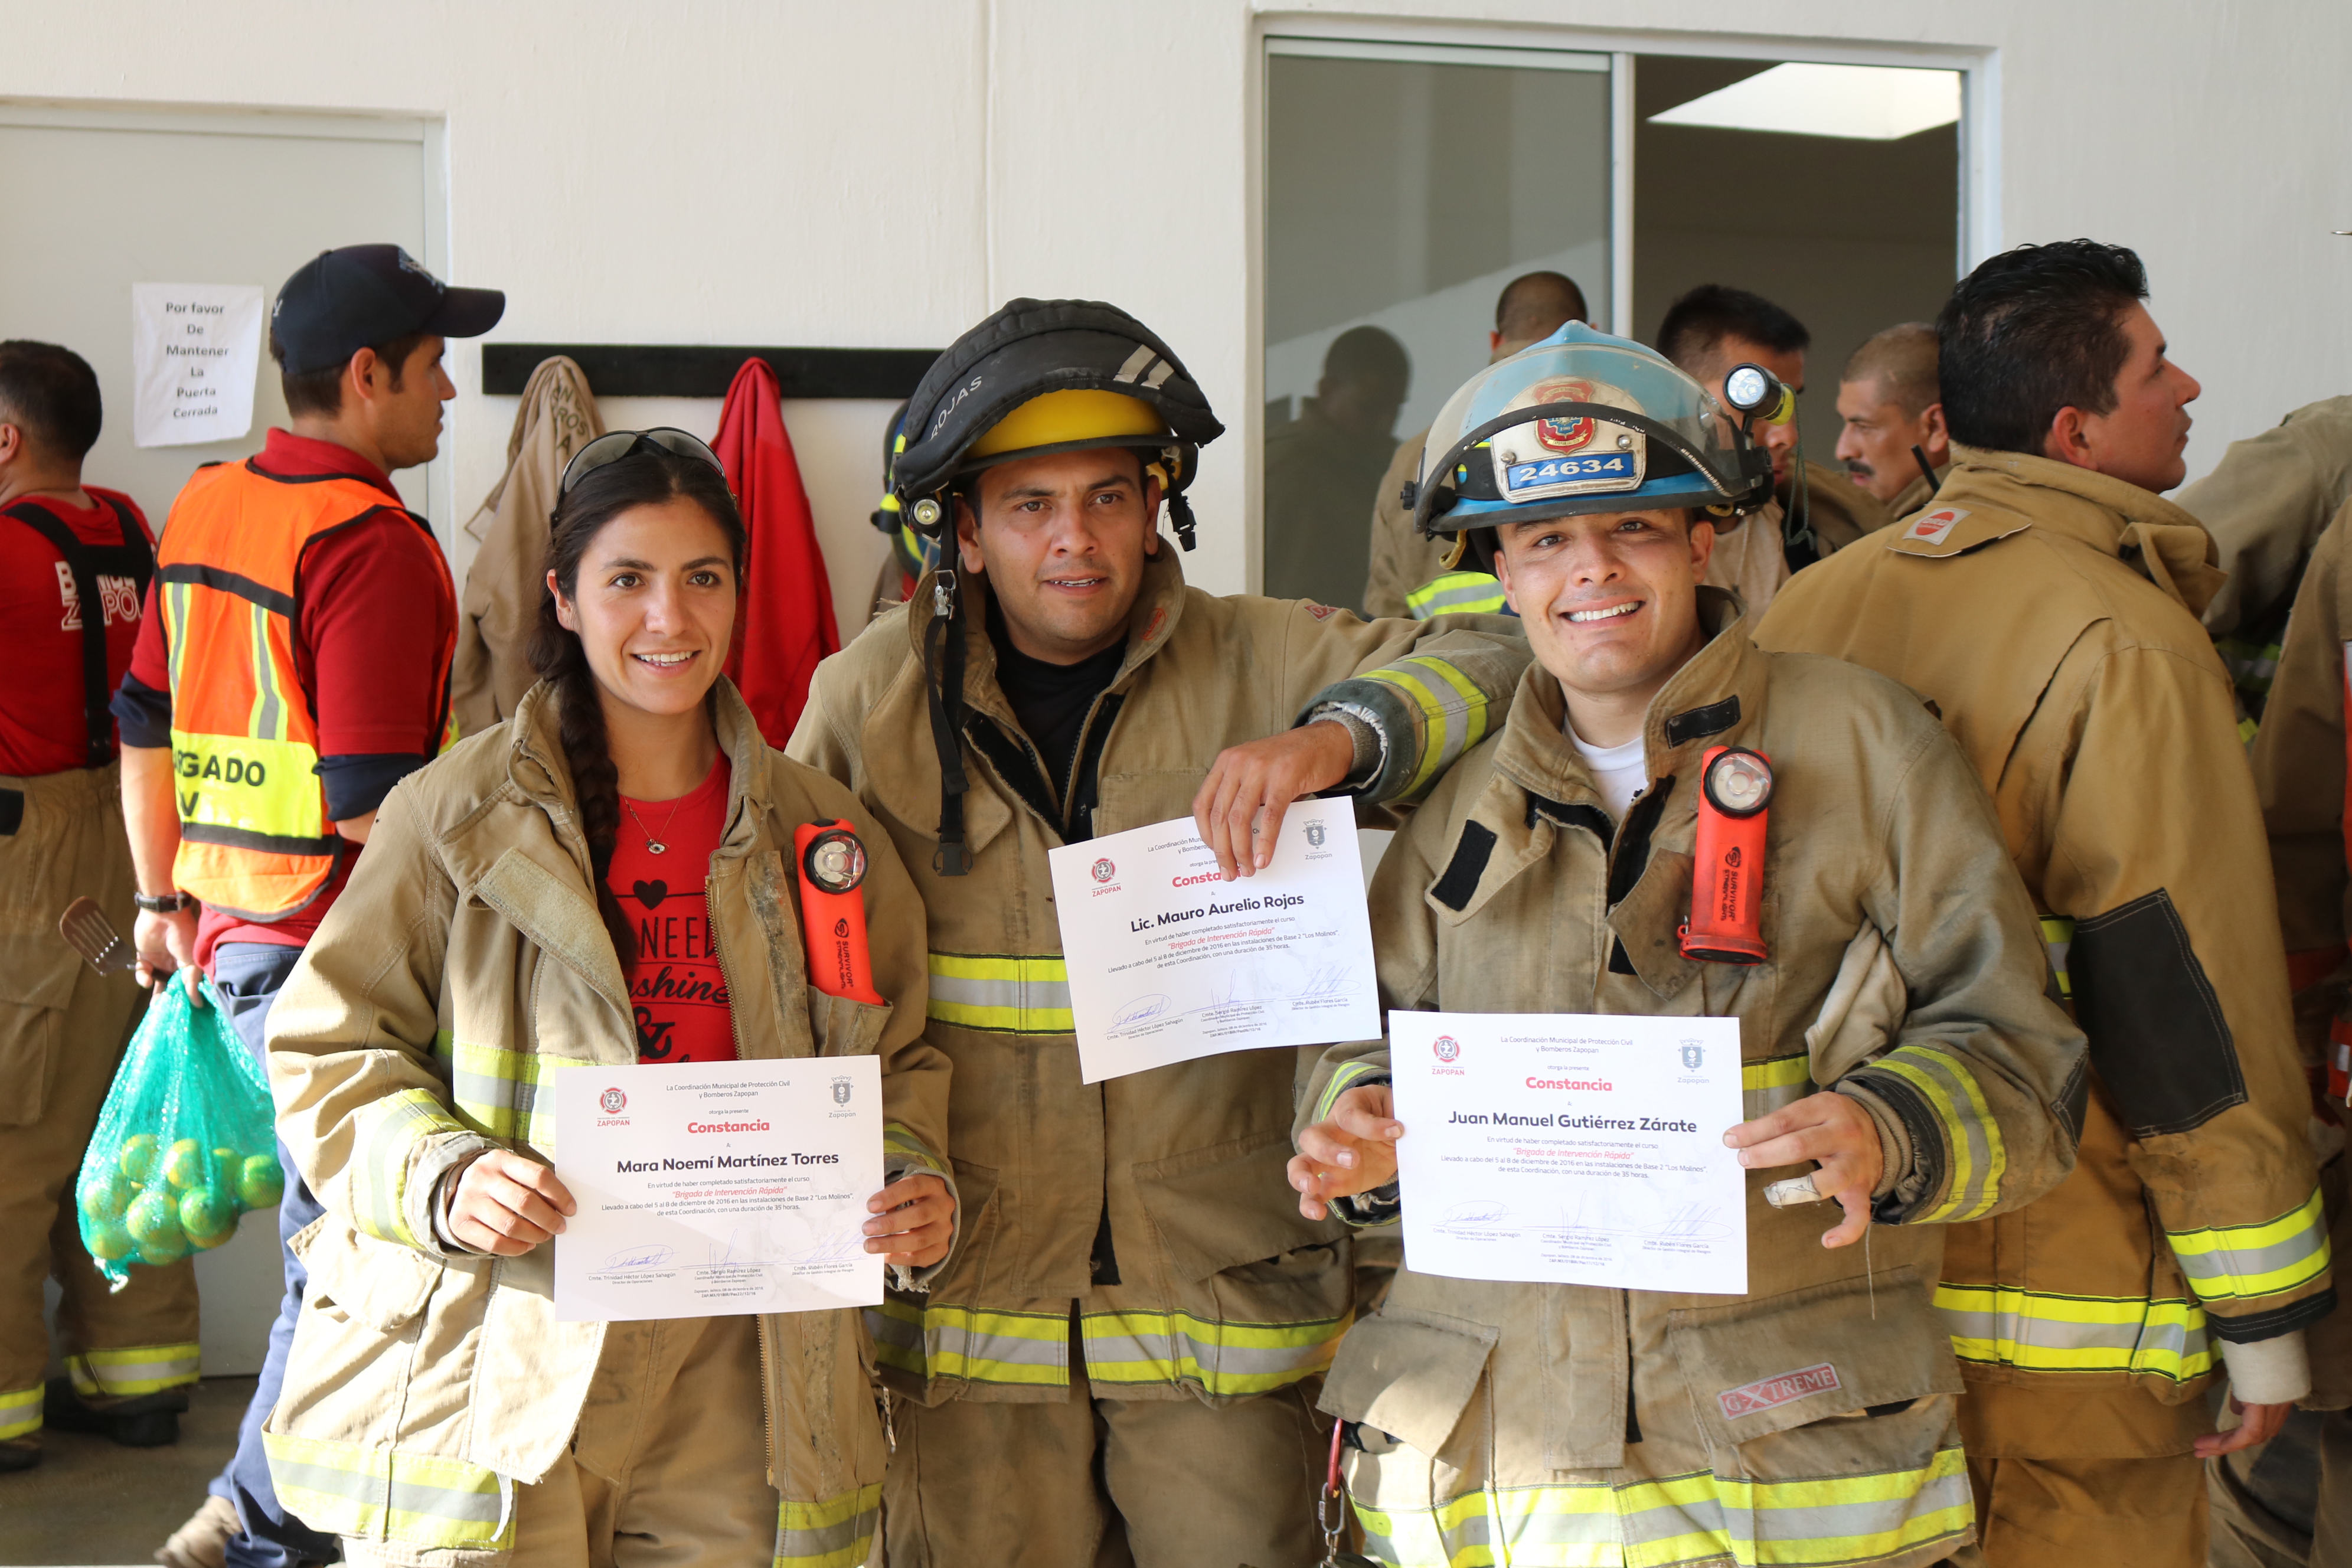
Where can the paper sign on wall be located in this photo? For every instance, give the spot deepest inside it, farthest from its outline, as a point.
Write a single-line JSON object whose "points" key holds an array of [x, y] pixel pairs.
{"points": [[195, 348]]}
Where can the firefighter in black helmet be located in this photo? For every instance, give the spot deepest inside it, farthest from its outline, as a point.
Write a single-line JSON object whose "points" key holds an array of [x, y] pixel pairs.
{"points": [[1119, 1340]]}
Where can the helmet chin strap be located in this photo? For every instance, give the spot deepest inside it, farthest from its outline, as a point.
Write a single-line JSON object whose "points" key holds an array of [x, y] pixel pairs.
{"points": [[943, 654]]}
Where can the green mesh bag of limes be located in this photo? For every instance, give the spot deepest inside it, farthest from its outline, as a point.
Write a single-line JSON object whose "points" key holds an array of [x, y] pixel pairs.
{"points": [[184, 1145]]}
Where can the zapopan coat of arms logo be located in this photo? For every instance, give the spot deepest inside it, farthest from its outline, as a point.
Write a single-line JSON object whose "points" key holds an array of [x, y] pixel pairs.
{"points": [[1572, 432], [1315, 834], [612, 1099], [1105, 870], [1447, 1048], [841, 1091], [1693, 1054]]}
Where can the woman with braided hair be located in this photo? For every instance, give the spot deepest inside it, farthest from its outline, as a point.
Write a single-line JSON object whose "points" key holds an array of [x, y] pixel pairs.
{"points": [[600, 880]]}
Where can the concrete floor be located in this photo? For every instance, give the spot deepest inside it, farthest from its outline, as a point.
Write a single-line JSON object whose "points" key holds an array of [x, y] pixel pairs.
{"points": [[91, 1503]]}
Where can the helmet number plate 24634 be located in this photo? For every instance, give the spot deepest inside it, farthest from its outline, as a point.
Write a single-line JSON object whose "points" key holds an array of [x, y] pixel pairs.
{"points": [[1556, 470]]}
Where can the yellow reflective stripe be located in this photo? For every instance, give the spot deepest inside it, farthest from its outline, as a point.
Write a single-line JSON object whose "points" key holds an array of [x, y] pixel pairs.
{"points": [[387, 1129], [1453, 710], [1696, 1517], [1026, 1348], [1978, 1157], [138, 1369], [175, 619], [20, 1412], [1768, 1085], [1344, 1076], [2058, 936], [268, 720], [254, 785], [379, 1494], [1456, 592], [504, 1093], [2238, 1263], [904, 1153], [834, 1533], [1224, 1359], [1016, 994], [1994, 1325]]}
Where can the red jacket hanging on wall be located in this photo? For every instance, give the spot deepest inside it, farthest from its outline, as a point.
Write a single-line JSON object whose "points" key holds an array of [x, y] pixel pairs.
{"points": [[785, 621]]}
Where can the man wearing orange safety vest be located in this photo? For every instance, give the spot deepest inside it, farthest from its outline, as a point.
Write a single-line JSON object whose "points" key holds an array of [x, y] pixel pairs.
{"points": [[293, 666]]}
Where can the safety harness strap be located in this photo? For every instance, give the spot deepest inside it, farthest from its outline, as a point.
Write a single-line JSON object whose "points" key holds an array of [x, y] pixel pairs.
{"points": [[944, 667], [133, 559]]}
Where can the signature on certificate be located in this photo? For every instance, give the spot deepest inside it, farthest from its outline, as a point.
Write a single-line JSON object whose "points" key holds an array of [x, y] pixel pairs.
{"points": [[1685, 1222], [1250, 988], [652, 1256]]}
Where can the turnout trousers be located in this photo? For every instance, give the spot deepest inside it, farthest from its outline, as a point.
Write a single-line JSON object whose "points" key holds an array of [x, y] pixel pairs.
{"points": [[62, 1031], [668, 1469], [2065, 1503], [1084, 1482]]}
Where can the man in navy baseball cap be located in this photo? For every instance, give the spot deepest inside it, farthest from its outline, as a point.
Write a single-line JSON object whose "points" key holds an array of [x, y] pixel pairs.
{"points": [[362, 296]]}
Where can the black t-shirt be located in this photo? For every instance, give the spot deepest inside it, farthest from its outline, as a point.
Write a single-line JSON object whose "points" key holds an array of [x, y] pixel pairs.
{"points": [[1051, 701]]}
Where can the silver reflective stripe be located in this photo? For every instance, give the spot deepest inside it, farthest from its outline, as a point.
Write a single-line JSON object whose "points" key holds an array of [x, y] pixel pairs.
{"points": [[268, 712], [2218, 1271], [826, 1542], [1485, 595], [403, 1496], [1137, 363]]}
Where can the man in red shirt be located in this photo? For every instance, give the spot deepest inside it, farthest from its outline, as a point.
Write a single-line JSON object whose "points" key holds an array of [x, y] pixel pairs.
{"points": [[363, 625], [73, 562]]}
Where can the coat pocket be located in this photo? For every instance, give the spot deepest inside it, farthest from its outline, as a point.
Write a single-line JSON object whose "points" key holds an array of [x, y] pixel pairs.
{"points": [[379, 1283], [1757, 1367], [1228, 1204], [843, 1026], [1408, 1373]]}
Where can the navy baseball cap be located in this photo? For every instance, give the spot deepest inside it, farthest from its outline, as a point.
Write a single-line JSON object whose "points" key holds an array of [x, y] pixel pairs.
{"points": [[363, 295]]}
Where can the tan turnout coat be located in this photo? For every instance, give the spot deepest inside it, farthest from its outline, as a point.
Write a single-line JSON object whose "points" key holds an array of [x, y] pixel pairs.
{"points": [[465, 967], [1222, 1291], [1905, 971], [2048, 613]]}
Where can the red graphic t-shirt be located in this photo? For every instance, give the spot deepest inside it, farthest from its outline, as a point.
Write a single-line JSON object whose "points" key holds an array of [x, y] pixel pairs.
{"points": [[679, 996]]}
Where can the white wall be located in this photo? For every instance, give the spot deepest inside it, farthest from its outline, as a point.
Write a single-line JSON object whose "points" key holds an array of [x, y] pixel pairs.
{"points": [[789, 172]]}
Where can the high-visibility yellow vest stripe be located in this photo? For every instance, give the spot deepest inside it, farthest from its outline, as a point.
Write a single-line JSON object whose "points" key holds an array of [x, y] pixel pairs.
{"points": [[1015, 994], [1030, 1349], [250, 785], [1452, 711], [1973, 1135], [1224, 1359], [20, 1412], [835, 1533], [136, 1370], [1997, 1325], [2239, 1263], [387, 1494], [2058, 936], [1456, 593], [1697, 1517]]}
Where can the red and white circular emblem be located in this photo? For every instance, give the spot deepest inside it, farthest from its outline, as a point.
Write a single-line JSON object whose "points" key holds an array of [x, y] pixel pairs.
{"points": [[1105, 870], [1447, 1048]]}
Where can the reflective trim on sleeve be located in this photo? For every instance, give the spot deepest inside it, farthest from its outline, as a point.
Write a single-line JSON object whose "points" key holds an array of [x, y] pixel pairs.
{"points": [[1452, 711], [904, 1153], [1695, 1518], [20, 1412], [834, 1533], [1344, 1076], [1032, 1349], [388, 1130], [1456, 593], [1223, 1359], [384, 1494], [2034, 1331], [2058, 935], [498, 1092], [2246, 1262], [1768, 1085], [138, 1369], [1973, 1135], [1006, 994]]}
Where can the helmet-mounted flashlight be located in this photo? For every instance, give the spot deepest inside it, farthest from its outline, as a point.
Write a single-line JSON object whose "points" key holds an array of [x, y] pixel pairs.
{"points": [[1757, 393]]}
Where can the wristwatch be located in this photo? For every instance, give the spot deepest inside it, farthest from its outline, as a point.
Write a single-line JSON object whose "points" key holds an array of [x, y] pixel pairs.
{"points": [[164, 903]]}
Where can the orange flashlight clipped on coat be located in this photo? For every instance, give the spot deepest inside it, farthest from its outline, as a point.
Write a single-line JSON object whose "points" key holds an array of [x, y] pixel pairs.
{"points": [[1727, 917], [832, 864]]}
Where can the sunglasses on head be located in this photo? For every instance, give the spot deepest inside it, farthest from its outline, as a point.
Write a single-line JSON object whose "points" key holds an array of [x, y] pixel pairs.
{"points": [[614, 445]]}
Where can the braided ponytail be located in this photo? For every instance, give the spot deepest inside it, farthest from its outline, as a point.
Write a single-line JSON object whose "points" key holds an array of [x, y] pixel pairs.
{"points": [[647, 477]]}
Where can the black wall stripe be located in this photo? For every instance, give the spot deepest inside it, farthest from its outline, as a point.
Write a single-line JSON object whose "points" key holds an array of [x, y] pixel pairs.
{"points": [[1696, 724]]}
